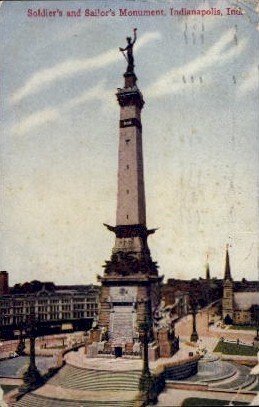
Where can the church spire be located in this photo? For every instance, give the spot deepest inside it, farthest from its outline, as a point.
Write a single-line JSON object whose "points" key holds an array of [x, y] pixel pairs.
{"points": [[227, 275]]}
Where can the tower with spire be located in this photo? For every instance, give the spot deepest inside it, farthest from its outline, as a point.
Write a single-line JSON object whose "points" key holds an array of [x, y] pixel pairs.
{"points": [[130, 288], [228, 292]]}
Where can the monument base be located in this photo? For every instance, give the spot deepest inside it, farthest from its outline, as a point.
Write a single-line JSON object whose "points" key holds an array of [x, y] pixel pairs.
{"points": [[165, 345]]}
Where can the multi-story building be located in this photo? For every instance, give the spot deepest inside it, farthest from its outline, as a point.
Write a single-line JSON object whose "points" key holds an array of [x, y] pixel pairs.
{"points": [[54, 308]]}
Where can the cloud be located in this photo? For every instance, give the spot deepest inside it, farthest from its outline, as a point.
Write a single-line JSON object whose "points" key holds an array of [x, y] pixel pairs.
{"points": [[68, 68], [250, 82], [42, 117], [146, 38], [35, 119], [97, 92], [170, 81], [61, 71]]}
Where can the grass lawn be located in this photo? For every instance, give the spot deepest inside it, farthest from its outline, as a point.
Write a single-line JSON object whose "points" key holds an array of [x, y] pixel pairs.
{"points": [[195, 401], [233, 349], [243, 327]]}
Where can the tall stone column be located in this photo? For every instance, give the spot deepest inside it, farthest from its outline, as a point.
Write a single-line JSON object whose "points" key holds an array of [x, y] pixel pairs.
{"points": [[131, 269]]}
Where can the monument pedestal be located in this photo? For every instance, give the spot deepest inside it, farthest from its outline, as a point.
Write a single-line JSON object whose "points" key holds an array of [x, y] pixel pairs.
{"points": [[167, 342]]}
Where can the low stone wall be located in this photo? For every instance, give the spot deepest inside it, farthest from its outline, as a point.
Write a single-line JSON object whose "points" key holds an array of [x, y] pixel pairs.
{"points": [[178, 370], [188, 386], [241, 360], [182, 371], [43, 352]]}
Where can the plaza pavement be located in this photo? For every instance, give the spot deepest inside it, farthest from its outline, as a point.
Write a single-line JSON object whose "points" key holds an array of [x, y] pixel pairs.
{"points": [[79, 359], [175, 397], [210, 335]]}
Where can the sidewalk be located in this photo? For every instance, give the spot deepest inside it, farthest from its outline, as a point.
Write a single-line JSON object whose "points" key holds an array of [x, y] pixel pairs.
{"points": [[79, 359], [177, 397]]}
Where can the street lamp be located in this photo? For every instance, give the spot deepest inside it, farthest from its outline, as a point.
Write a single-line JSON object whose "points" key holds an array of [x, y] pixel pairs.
{"points": [[194, 311], [146, 381], [32, 377], [21, 344]]}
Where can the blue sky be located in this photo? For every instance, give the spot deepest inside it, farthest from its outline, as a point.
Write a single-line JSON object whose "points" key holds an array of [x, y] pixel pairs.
{"points": [[199, 78]]}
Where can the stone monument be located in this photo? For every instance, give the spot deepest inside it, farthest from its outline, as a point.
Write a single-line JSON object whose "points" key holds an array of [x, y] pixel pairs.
{"points": [[130, 285]]}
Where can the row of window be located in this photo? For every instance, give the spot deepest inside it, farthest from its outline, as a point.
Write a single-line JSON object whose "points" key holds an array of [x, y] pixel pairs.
{"points": [[51, 308], [7, 320], [21, 304], [26, 303]]}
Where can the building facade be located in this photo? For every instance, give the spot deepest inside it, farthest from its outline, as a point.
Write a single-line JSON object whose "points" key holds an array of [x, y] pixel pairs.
{"points": [[54, 308]]}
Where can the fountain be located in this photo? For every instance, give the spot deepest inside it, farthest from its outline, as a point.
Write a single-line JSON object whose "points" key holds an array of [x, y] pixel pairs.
{"points": [[211, 368]]}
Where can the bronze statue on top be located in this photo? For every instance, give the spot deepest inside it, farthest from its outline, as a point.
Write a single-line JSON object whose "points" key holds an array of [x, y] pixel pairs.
{"points": [[129, 49]]}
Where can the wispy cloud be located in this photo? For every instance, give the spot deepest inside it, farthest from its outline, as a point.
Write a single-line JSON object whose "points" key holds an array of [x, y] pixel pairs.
{"points": [[41, 117], [250, 82], [97, 92], [61, 71], [216, 55], [146, 38], [34, 120], [68, 68]]}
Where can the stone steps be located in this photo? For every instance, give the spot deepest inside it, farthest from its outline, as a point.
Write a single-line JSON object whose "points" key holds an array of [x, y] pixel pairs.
{"points": [[241, 380], [76, 378], [253, 385], [33, 400], [228, 373]]}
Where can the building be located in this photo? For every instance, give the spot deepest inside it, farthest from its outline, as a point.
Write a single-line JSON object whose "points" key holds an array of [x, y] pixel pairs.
{"points": [[180, 292], [240, 302], [4, 285], [55, 308]]}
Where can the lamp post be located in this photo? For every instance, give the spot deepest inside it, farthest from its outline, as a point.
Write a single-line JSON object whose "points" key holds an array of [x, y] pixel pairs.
{"points": [[194, 308], [144, 329], [146, 381], [32, 377], [21, 344]]}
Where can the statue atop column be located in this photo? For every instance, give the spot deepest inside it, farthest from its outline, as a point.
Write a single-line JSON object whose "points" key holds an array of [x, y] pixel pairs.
{"points": [[129, 50]]}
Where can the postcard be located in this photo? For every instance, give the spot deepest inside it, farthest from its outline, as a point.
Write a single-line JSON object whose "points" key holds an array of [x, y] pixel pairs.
{"points": [[129, 203]]}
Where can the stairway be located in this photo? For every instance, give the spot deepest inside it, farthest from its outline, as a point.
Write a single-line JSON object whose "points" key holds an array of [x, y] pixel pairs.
{"points": [[71, 377], [241, 380], [33, 400], [117, 385]]}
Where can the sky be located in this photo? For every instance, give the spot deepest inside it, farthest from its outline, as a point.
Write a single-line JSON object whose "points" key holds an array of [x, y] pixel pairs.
{"points": [[60, 132]]}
